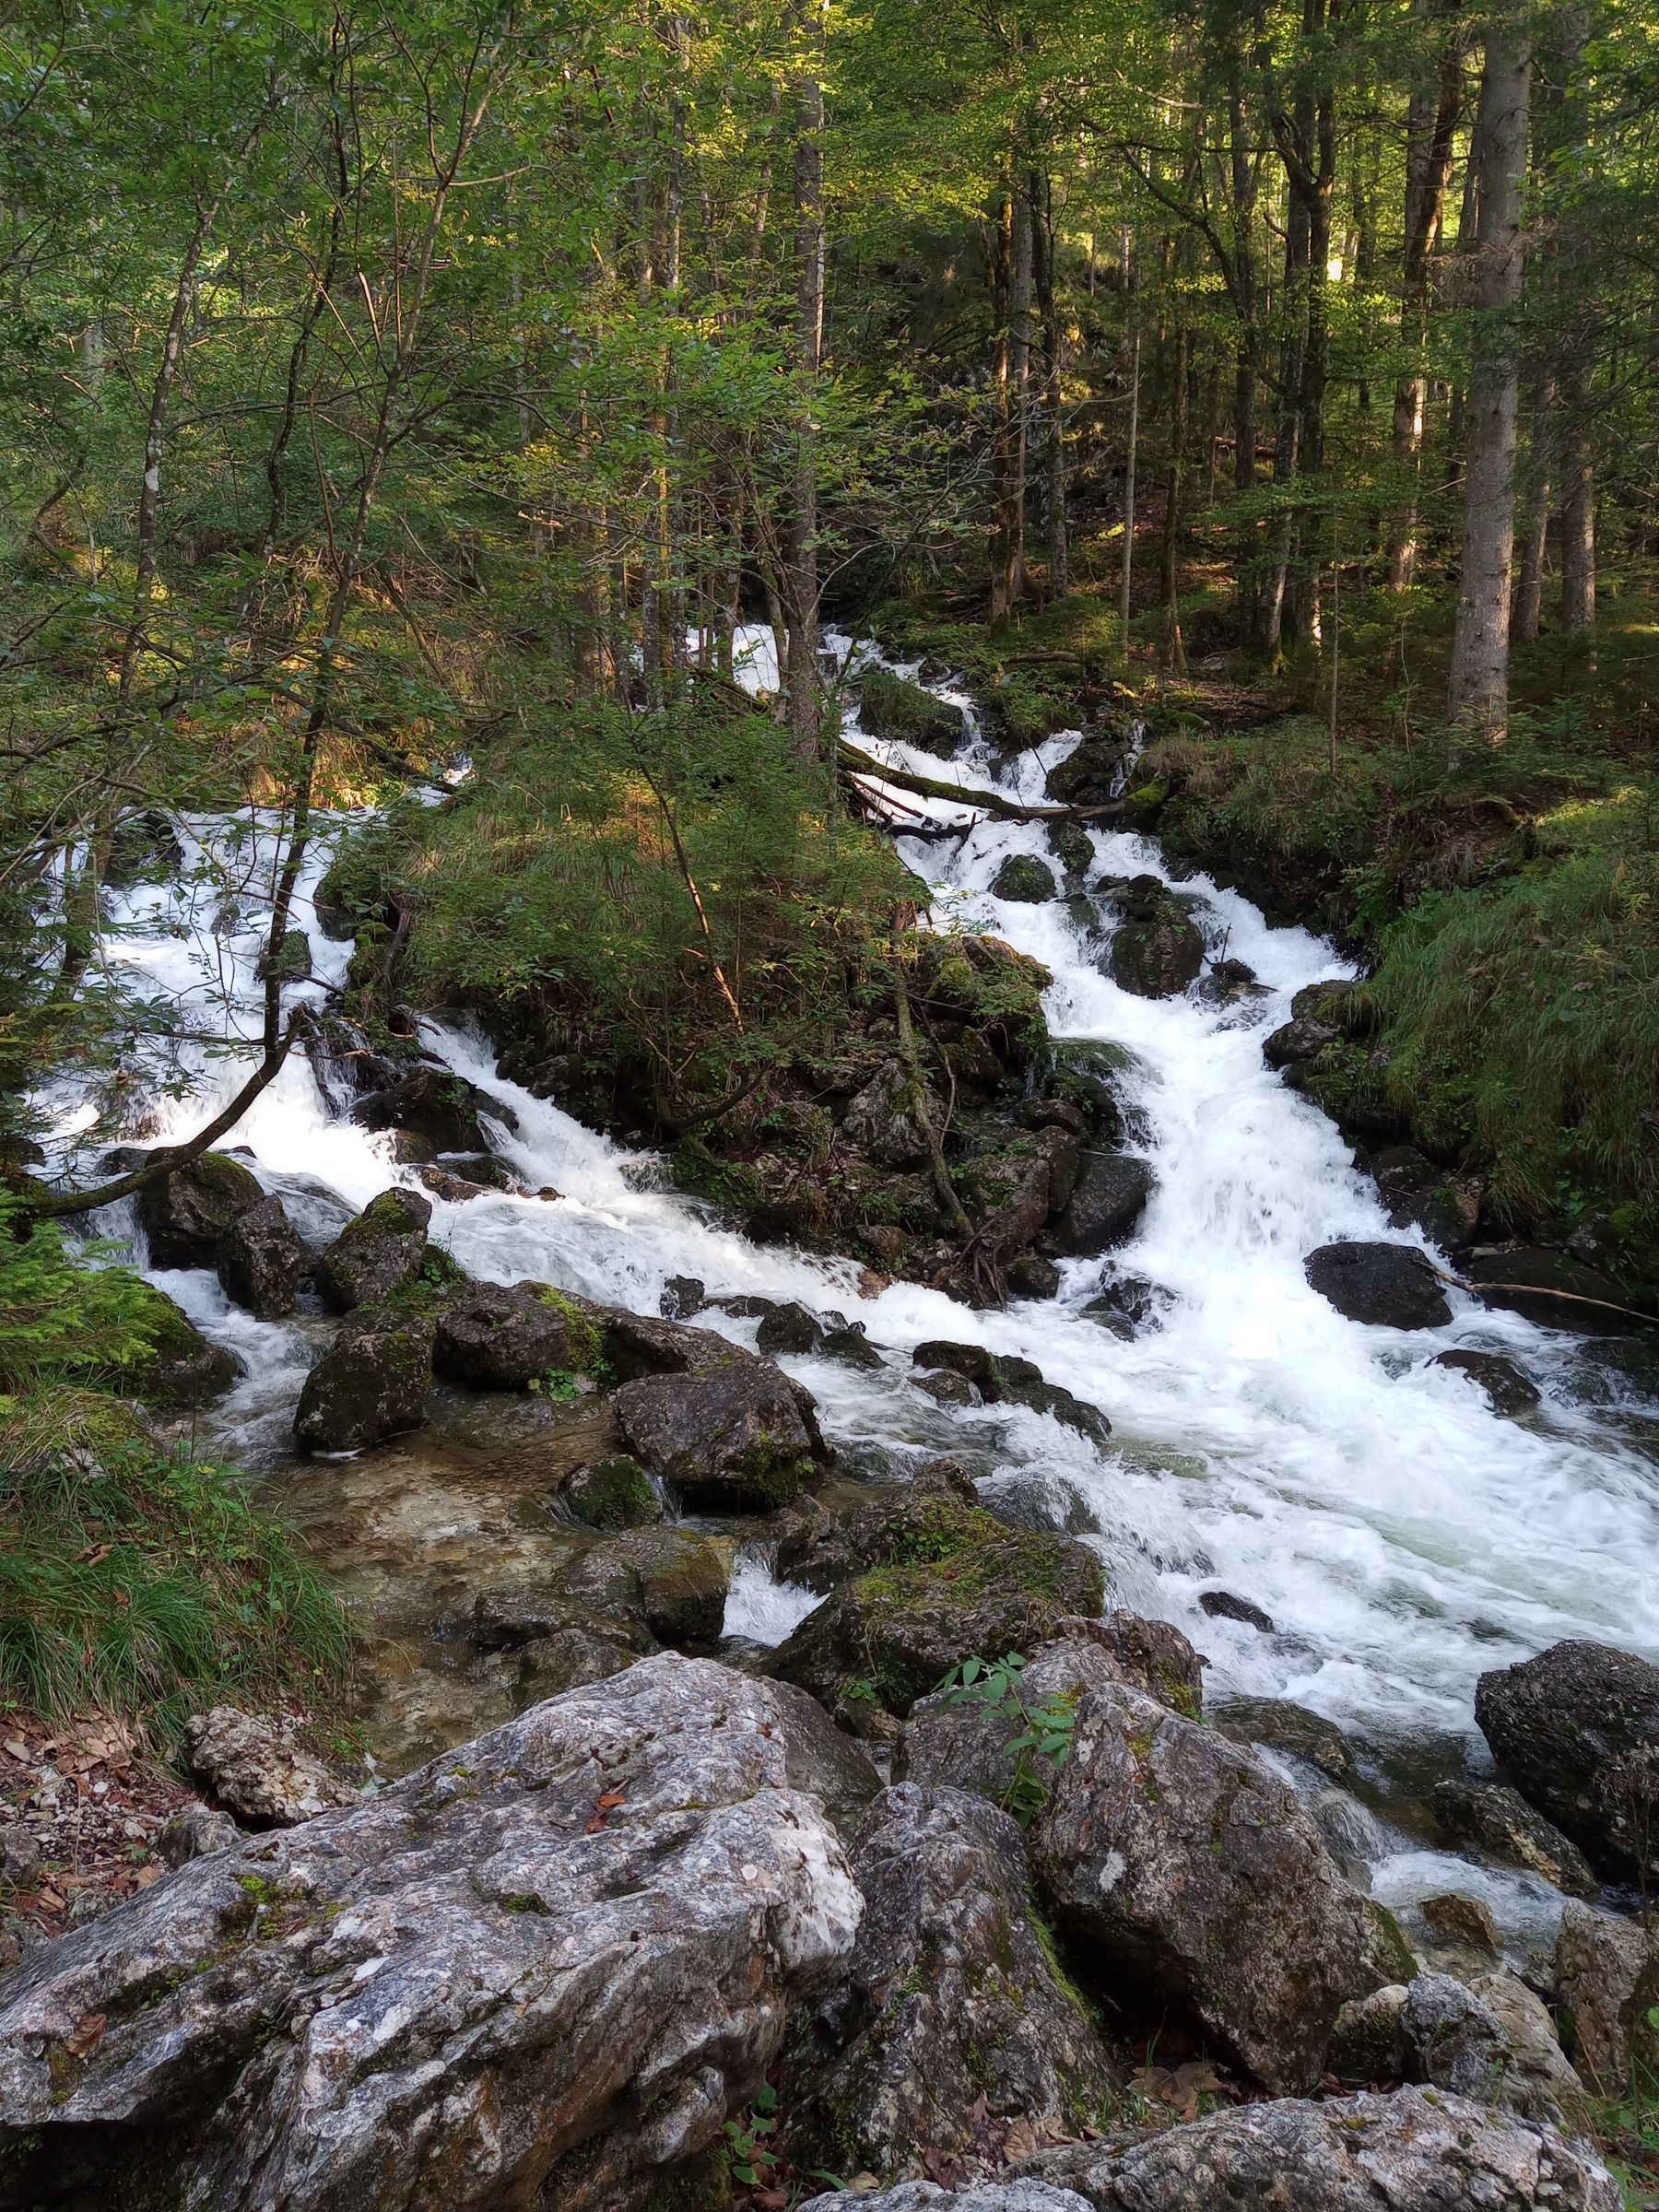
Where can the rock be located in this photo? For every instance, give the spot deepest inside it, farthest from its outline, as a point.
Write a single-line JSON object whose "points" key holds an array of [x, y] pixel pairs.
{"points": [[20, 1857], [891, 707], [1179, 1863], [1413, 2150], [1385, 1956], [1124, 1303], [374, 1382], [433, 1105], [1231, 983], [1292, 1729], [951, 2009], [185, 1213], [683, 1295], [494, 1339], [1460, 1921], [1010, 1196], [1029, 1276], [962, 1743], [613, 1493], [195, 1831], [1525, 1279], [260, 1259], [185, 1370], [543, 1969], [1445, 1208], [1010, 2195], [639, 1344], [1025, 879], [734, 1435], [1298, 1042], [1457, 2041], [881, 1121], [293, 961], [851, 1347], [788, 1327], [1157, 949], [946, 1581], [1357, 1838], [144, 847], [1074, 848], [254, 1767], [1509, 1389], [1087, 1073], [1221, 1605], [947, 1389], [1334, 999], [1502, 1824], [1389, 1286], [1607, 1973], [1089, 774], [1369, 2041], [823, 1761], [1577, 1729], [647, 1587], [1111, 1196], [376, 1256]]}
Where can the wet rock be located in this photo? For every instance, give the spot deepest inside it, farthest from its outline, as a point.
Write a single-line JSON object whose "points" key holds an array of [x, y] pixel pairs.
{"points": [[144, 847], [376, 1256], [650, 1586], [639, 1344], [292, 963], [734, 1435], [1389, 1286], [1231, 983], [1369, 2041], [1529, 1280], [1029, 1276], [1025, 879], [1413, 2150], [1125, 1304], [1111, 1196], [1181, 1863], [1009, 1195], [1509, 1389], [543, 1969], [1087, 1073], [1456, 2041], [261, 1259], [490, 1337], [1074, 848], [443, 1108], [1418, 1196], [374, 1382], [1608, 1973], [1157, 949], [254, 1767], [1292, 1729], [1000, 1378], [938, 1581], [947, 1389], [1336, 999], [951, 2009], [195, 1832], [185, 1213], [1221, 1605], [788, 1327], [185, 1370], [1460, 1922], [893, 708], [882, 1122], [1500, 1822], [1577, 1730], [851, 1347], [1298, 1042], [1089, 774], [683, 1295], [1357, 1838], [614, 1493]]}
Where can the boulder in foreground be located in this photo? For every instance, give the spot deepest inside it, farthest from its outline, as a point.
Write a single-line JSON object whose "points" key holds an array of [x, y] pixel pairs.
{"points": [[542, 1971], [1388, 1286]]}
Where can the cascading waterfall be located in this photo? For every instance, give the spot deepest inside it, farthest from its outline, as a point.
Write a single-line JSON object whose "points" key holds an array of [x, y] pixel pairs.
{"points": [[1402, 1537]]}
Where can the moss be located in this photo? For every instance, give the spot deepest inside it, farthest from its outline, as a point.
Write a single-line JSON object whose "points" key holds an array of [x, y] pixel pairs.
{"points": [[700, 2184], [585, 1337], [616, 1493], [893, 708]]}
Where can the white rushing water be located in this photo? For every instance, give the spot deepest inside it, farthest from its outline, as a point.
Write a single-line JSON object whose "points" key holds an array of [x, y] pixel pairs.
{"points": [[1402, 1537]]}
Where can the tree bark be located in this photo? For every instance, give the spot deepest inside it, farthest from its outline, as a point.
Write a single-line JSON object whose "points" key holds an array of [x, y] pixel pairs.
{"points": [[1043, 244], [1431, 127], [1529, 589], [1477, 692], [801, 675]]}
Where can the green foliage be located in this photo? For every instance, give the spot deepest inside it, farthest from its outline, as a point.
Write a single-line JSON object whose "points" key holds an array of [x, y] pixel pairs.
{"points": [[60, 1316], [1042, 1732], [751, 2160], [585, 1339], [139, 1581]]}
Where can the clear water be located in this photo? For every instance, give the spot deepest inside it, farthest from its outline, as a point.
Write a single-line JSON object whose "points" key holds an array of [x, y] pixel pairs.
{"points": [[1402, 1537]]}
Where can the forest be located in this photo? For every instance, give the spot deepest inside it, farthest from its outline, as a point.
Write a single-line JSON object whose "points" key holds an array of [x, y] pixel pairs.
{"points": [[667, 674]]}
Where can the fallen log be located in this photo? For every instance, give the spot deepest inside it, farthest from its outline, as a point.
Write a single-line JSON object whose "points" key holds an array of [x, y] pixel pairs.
{"points": [[855, 762]]}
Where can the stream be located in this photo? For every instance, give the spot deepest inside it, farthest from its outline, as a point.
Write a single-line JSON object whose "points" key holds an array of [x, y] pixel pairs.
{"points": [[1402, 1537]]}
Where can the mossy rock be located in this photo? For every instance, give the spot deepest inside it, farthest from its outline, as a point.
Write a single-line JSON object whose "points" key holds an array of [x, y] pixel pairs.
{"points": [[185, 1370], [186, 1212], [1025, 879], [615, 1493], [953, 1583], [585, 1348], [893, 708]]}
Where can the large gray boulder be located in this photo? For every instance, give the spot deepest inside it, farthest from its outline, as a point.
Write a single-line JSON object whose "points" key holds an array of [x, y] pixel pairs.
{"points": [[375, 1380], [1577, 1731], [1182, 1864], [377, 1254], [882, 1122], [444, 1109], [1414, 2150], [260, 1259], [542, 1971], [1607, 1973], [1107, 1202], [1017, 2193], [255, 1767], [1389, 1286], [734, 1436], [1500, 1822], [492, 1337], [1490, 2040], [1157, 949], [186, 1212], [950, 2009]]}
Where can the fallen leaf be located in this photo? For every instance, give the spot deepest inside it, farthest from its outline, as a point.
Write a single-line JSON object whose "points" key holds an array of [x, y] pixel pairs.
{"points": [[603, 1807], [147, 1874], [86, 2035], [18, 1750]]}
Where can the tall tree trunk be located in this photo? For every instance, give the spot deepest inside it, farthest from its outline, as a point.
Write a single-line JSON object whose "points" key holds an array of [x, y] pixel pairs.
{"points": [[1477, 692], [1169, 566], [1578, 504], [1008, 585], [1127, 568], [1289, 418], [1431, 127], [1241, 164], [1054, 398], [1529, 587], [801, 678]]}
